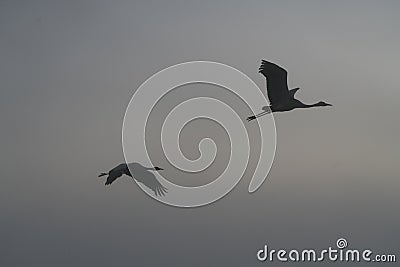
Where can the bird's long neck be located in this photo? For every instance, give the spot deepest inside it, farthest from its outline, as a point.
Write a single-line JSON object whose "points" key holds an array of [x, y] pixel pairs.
{"points": [[153, 169], [309, 105]]}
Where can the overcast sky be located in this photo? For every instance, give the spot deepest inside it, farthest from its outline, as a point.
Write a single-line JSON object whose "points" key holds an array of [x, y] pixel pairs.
{"points": [[69, 68]]}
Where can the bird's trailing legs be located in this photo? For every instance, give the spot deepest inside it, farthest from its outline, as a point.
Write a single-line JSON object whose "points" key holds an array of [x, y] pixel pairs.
{"points": [[266, 111]]}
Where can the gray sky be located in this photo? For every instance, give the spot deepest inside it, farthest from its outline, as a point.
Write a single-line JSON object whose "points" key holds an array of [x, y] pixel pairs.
{"points": [[69, 68]]}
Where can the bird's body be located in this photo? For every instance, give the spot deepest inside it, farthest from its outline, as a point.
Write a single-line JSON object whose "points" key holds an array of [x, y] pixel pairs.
{"points": [[280, 97], [116, 173], [140, 173]]}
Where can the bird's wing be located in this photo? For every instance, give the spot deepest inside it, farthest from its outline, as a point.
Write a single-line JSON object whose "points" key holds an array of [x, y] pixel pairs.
{"points": [[149, 179], [292, 92], [276, 77], [126, 170]]}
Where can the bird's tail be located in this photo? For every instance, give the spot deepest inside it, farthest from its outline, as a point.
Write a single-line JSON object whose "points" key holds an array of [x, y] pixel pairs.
{"points": [[102, 174]]}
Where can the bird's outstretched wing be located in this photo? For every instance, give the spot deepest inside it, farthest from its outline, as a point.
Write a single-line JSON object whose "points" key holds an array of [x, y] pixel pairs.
{"points": [[276, 77], [149, 179], [292, 92]]}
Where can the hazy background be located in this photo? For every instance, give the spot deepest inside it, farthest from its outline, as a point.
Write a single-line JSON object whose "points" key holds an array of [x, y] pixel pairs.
{"points": [[69, 68]]}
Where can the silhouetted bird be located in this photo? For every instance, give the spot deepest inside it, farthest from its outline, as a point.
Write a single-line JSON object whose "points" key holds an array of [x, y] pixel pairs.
{"points": [[280, 97], [140, 174]]}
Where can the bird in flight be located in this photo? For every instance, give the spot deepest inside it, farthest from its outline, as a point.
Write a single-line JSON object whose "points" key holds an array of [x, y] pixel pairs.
{"points": [[139, 173], [280, 97]]}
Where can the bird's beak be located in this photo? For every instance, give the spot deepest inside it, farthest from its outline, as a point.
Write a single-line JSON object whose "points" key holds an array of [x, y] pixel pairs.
{"points": [[159, 169], [330, 105]]}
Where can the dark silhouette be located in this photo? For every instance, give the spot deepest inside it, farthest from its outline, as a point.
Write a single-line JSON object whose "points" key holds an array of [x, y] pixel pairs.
{"points": [[280, 97], [140, 174]]}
